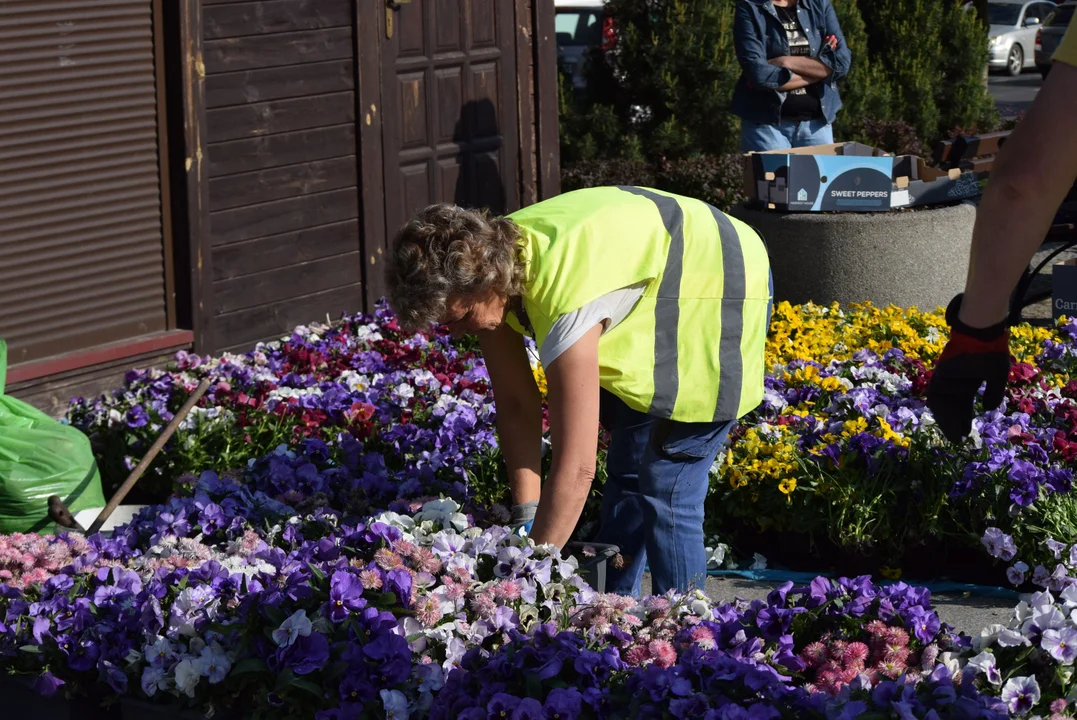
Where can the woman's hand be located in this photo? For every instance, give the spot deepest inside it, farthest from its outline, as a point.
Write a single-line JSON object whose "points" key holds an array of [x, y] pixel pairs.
{"points": [[519, 410], [572, 380]]}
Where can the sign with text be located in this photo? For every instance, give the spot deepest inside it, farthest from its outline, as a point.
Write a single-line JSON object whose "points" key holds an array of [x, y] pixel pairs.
{"points": [[1064, 289], [849, 177]]}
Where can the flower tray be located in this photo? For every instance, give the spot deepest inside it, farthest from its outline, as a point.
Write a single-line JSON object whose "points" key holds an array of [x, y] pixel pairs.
{"points": [[135, 709], [20, 700], [592, 566]]}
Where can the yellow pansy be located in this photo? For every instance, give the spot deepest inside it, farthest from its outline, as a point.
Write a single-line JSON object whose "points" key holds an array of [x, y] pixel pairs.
{"points": [[787, 485], [852, 427]]}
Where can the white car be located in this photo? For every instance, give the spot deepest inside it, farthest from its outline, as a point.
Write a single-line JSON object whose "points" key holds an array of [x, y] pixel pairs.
{"points": [[1014, 24], [579, 26]]}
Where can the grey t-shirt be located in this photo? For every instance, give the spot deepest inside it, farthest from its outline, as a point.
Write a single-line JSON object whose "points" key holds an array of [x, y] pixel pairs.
{"points": [[609, 309]]}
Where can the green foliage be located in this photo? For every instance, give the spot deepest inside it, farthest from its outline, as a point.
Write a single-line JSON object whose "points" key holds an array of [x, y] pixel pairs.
{"points": [[866, 92], [663, 93], [715, 179], [665, 90], [933, 56], [905, 37], [965, 100]]}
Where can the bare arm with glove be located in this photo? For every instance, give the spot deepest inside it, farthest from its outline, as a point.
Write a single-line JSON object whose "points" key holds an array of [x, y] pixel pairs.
{"points": [[1034, 171]]}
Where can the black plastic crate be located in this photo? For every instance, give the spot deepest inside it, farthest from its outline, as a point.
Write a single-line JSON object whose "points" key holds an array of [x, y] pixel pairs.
{"points": [[592, 567], [20, 700]]}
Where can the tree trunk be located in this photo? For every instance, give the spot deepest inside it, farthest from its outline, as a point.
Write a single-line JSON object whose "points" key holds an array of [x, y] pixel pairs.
{"points": [[981, 11]]}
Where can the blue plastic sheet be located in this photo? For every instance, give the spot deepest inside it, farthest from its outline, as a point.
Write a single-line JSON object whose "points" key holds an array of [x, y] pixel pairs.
{"points": [[935, 586]]}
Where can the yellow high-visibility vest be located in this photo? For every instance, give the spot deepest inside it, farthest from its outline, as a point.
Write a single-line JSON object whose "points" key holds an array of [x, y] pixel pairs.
{"points": [[692, 349]]}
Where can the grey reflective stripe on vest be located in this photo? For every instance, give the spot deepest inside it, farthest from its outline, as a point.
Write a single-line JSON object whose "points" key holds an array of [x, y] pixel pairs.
{"points": [[730, 361], [667, 311]]}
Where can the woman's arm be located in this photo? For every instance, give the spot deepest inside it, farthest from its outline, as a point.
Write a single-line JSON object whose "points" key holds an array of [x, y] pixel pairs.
{"points": [[1028, 183], [519, 410], [808, 68], [796, 83], [572, 380], [837, 57], [752, 54]]}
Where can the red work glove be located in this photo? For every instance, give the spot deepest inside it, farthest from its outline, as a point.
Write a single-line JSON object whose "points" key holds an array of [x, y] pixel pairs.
{"points": [[973, 356]]}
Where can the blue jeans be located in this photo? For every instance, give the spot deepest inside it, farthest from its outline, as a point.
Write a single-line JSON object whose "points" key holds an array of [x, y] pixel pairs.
{"points": [[652, 504], [658, 475], [786, 134]]}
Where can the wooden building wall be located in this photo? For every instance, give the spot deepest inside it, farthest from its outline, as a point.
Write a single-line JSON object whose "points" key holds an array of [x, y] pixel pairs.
{"points": [[299, 134], [282, 166]]}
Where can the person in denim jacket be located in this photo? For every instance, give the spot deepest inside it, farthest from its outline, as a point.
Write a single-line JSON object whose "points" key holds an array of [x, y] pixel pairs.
{"points": [[792, 54]]}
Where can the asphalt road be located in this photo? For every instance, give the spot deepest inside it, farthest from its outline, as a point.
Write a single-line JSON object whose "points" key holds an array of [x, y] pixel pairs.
{"points": [[1014, 95]]}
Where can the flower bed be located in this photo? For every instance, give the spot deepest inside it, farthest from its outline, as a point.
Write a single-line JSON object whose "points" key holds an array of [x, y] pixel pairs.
{"points": [[327, 544], [844, 449], [842, 459], [227, 600]]}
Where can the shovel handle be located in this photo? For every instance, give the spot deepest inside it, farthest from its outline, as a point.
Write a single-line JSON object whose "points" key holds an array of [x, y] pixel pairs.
{"points": [[144, 463]]}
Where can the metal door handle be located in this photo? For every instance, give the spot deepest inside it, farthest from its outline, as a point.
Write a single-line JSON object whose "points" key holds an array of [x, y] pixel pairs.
{"points": [[393, 6]]}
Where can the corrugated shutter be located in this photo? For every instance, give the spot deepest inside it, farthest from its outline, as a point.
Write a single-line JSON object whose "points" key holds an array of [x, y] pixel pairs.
{"points": [[81, 242]]}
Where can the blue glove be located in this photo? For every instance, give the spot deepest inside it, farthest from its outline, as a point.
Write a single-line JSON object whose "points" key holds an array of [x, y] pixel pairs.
{"points": [[523, 517]]}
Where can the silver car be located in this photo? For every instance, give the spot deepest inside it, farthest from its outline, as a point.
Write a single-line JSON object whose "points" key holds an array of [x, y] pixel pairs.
{"points": [[1014, 24]]}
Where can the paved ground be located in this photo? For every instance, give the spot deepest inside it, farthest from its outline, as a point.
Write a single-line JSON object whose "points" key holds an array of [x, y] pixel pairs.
{"points": [[1014, 95], [967, 614]]}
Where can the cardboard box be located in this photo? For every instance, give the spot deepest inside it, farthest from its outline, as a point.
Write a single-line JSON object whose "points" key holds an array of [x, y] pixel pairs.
{"points": [[848, 177], [1064, 289], [924, 185]]}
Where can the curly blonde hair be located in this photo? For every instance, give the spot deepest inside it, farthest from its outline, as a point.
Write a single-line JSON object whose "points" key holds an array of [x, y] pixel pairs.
{"points": [[446, 251]]}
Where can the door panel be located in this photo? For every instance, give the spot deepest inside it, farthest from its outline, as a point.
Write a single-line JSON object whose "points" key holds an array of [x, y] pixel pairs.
{"points": [[449, 126]]}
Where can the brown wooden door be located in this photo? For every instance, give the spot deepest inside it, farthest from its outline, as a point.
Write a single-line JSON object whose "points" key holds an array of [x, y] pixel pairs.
{"points": [[449, 107]]}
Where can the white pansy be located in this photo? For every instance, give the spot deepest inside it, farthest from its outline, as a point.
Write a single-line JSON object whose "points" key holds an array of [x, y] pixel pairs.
{"points": [[1012, 638], [988, 636], [985, 663], [402, 394], [952, 661], [188, 673], [355, 382]]}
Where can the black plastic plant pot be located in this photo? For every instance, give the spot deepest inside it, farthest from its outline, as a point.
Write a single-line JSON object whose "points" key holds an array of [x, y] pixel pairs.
{"points": [[136, 709], [21, 701], [593, 559]]}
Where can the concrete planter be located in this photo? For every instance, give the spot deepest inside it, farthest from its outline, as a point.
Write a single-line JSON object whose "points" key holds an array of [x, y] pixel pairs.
{"points": [[906, 258]]}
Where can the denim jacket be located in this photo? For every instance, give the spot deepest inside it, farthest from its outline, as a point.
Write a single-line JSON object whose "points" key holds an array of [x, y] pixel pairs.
{"points": [[759, 36]]}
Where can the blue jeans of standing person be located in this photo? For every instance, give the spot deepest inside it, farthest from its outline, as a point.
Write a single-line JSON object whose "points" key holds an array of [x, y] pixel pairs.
{"points": [[658, 475], [784, 135]]}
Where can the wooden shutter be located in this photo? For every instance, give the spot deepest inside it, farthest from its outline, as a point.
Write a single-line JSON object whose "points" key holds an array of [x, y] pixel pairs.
{"points": [[82, 259]]}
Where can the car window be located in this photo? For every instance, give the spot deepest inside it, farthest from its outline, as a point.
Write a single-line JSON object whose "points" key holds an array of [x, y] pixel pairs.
{"points": [[1039, 10], [1003, 13], [1060, 16], [578, 27]]}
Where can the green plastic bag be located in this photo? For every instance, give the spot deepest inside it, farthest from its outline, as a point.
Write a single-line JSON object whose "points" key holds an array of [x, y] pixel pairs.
{"points": [[40, 457]]}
